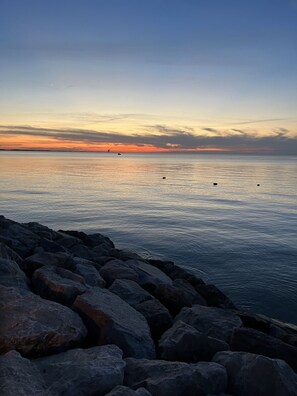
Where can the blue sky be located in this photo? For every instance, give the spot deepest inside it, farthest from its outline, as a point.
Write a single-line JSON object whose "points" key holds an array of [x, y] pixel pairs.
{"points": [[128, 67]]}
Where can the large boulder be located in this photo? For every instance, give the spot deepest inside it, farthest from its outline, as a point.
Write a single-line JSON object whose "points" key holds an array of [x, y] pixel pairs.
{"points": [[41, 230], [9, 254], [117, 269], [214, 322], [88, 270], [18, 376], [34, 326], [174, 378], [250, 340], [250, 374], [58, 284], [38, 260], [185, 344], [88, 372], [214, 297], [12, 275], [130, 291], [111, 320]]}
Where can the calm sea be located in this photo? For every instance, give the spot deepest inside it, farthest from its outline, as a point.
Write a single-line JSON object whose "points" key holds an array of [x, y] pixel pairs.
{"points": [[237, 235]]}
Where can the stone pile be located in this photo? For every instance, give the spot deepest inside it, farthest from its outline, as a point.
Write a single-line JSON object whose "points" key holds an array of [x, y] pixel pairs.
{"points": [[80, 317]]}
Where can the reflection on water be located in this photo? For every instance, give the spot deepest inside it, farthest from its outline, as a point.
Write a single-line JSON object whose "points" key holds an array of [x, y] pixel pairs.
{"points": [[238, 235]]}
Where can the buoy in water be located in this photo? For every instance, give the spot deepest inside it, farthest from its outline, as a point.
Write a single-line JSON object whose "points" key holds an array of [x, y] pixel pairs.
{"points": [[163, 177], [258, 185], [215, 184]]}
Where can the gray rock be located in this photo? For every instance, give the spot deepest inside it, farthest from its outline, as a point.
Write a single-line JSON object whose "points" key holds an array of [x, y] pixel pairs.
{"points": [[91, 240], [214, 297], [157, 316], [51, 247], [9, 254], [185, 344], [255, 375], [288, 337], [38, 260], [250, 340], [12, 275], [19, 377], [68, 241], [125, 391], [93, 371], [102, 250], [189, 291], [214, 322], [117, 269], [58, 284], [89, 273], [34, 326], [41, 230], [174, 378], [130, 291], [82, 252], [111, 320]]}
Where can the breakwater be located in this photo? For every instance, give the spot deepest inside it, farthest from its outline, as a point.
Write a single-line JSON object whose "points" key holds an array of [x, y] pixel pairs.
{"points": [[81, 317]]}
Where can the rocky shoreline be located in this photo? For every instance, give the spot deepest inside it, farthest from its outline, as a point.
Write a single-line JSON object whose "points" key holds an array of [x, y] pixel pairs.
{"points": [[81, 317]]}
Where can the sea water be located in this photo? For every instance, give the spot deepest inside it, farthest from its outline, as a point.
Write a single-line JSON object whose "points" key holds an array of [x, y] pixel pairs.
{"points": [[240, 234]]}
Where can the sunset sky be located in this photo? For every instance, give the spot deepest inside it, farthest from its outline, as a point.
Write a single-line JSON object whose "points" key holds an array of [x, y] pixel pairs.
{"points": [[156, 75]]}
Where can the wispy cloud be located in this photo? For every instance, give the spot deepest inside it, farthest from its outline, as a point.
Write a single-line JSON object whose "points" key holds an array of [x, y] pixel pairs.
{"points": [[165, 137]]}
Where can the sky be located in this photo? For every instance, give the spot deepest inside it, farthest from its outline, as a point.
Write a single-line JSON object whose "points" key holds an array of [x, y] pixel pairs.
{"points": [[149, 75]]}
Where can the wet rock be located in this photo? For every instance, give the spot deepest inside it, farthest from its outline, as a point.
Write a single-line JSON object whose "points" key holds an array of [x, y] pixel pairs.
{"points": [[93, 371], [125, 391], [18, 376], [34, 326], [288, 337], [250, 340], [12, 275], [125, 254], [38, 260], [181, 273], [255, 375], [111, 320], [83, 252], [90, 274], [90, 240], [174, 378], [214, 297], [189, 291], [157, 316], [9, 254], [215, 322], [41, 230], [67, 241], [117, 269], [185, 344], [51, 247], [58, 284], [130, 291], [163, 265]]}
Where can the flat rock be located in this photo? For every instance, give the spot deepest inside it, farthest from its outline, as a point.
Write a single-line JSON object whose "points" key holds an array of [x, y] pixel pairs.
{"points": [[256, 375], [130, 291], [58, 284], [185, 344], [250, 340], [111, 320], [89, 272], [163, 378], [214, 322], [117, 269], [38, 260], [34, 326], [125, 391], [157, 316], [18, 376], [93, 371], [214, 297], [9, 254], [12, 276]]}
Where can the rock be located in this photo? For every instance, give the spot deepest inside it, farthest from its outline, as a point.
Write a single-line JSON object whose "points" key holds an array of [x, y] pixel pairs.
{"points": [[185, 344], [89, 273], [111, 320], [117, 269], [68, 241], [283, 335], [18, 376], [189, 291], [163, 378], [214, 297], [163, 265], [102, 250], [255, 375], [82, 252], [9, 254], [91, 240], [250, 340], [34, 326], [58, 284], [95, 264], [125, 254], [149, 276], [51, 247], [12, 275], [93, 371], [130, 291], [125, 391], [157, 316], [214, 322], [181, 273], [257, 322], [38, 260], [42, 231], [175, 297]]}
